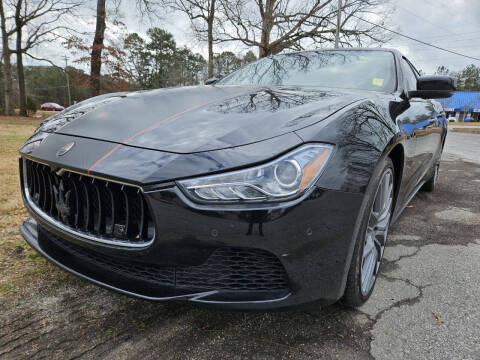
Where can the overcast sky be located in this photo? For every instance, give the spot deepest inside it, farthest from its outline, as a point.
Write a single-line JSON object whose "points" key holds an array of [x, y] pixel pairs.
{"points": [[452, 24]]}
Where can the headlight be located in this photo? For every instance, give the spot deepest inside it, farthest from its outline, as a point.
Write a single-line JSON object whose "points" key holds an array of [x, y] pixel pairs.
{"points": [[30, 147], [282, 179], [33, 143]]}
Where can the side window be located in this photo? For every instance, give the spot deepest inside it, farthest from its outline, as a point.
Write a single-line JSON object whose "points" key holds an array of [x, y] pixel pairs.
{"points": [[410, 77]]}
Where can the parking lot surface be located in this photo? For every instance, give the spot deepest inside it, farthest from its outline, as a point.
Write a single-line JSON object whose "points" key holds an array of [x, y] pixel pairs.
{"points": [[425, 304]]}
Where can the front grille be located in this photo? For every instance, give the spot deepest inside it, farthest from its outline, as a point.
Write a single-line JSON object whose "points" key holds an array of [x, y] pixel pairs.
{"points": [[227, 268], [103, 211]]}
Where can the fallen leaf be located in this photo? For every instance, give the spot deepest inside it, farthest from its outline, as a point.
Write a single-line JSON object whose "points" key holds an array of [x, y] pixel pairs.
{"points": [[439, 320]]}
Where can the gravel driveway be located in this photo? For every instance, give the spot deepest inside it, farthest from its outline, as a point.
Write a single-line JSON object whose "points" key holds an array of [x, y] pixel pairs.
{"points": [[425, 305]]}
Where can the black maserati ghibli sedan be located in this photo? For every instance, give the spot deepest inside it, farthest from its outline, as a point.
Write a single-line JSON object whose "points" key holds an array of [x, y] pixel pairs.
{"points": [[272, 187]]}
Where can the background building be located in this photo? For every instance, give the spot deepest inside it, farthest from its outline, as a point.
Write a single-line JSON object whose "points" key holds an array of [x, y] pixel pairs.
{"points": [[463, 106]]}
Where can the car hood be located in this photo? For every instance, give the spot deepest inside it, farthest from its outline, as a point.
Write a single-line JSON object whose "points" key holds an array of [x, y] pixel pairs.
{"points": [[205, 118]]}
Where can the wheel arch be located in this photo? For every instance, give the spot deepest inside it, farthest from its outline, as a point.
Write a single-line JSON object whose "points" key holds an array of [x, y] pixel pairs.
{"points": [[397, 155]]}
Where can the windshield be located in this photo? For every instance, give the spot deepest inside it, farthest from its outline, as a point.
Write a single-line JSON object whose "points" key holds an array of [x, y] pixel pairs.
{"points": [[352, 69]]}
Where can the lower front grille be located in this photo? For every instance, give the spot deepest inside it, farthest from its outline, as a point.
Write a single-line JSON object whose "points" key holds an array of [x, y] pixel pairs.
{"points": [[104, 211], [227, 268], [236, 269]]}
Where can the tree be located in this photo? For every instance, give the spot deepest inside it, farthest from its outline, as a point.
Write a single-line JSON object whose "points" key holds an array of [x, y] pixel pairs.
{"points": [[162, 48], [225, 63], [143, 6], [276, 25], [97, 48], [157, 62], [32, 106], [442, 70], [202, 17], [137, 60], [6, 61], [38, 20], [248, 58], [470, 78], [189, 67], [47, 84]]}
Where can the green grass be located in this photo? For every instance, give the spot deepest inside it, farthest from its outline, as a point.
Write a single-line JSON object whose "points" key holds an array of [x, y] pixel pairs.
{"points": [[7, 288], [20, 269], [34, 256]]}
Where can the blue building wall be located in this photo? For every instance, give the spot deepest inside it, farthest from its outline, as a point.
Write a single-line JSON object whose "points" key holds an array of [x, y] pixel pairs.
{"points": [[463, 104]]}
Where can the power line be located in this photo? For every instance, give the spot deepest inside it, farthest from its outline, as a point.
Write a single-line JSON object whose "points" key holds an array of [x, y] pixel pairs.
{"points": [[453, 35], [459, 47], [419, 41], [438, 1], [426, 20], [454, 41]]}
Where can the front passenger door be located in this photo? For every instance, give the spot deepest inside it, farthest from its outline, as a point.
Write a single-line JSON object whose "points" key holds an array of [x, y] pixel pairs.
{"points": [[417, 118]]}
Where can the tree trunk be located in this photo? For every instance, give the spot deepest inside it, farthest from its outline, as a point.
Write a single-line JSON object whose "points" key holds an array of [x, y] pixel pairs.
{"points": [[7, 66], [267, 25], [8, 83], [96, 56], [211, 17], [21, 74]]}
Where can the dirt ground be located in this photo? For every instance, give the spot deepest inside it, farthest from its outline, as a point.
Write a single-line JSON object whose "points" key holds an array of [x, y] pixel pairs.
{"points": [[425, 305]]}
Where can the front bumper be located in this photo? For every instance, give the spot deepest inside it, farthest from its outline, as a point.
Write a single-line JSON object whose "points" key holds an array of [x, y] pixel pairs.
{"points": [[312, 240]]}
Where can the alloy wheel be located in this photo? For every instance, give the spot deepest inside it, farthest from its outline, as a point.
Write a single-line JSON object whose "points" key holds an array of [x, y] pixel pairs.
{"points": [[376, 234]]}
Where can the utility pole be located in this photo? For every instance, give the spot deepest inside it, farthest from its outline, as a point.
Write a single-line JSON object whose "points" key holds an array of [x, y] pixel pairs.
{"points": [[68, 82], [337, 33]]}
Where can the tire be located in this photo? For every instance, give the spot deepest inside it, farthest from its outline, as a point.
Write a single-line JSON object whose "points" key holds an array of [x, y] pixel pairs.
{"points": [[358, 289], [429, 186]]}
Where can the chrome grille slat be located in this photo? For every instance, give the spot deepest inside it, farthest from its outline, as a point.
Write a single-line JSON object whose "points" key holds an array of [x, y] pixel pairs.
{"points": [[143, 223], [97, 209], [51, 204], [43, 187], [86, 208], [78, 209], [110, 218], [35, 182], [92, 208], [126, 205]]}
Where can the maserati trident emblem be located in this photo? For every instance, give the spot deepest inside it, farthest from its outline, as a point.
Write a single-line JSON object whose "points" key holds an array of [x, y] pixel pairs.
{"points": [[66, 148], [62, 200]]}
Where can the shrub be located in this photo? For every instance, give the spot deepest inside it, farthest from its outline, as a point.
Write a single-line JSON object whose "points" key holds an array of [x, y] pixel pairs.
{"points": [[32, 106]]}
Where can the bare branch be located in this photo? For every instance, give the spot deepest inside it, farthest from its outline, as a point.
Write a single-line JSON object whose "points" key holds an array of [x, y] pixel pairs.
{"points": [[36, 22], [276, 25], [203, 18]]}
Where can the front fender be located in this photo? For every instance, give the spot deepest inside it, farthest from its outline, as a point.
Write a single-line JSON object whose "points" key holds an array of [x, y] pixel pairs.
{"points": [[362, 134]]}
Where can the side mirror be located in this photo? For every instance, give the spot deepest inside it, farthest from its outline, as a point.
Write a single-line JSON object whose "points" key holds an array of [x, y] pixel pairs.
{"points": [[211, 81], [434, 87]]}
